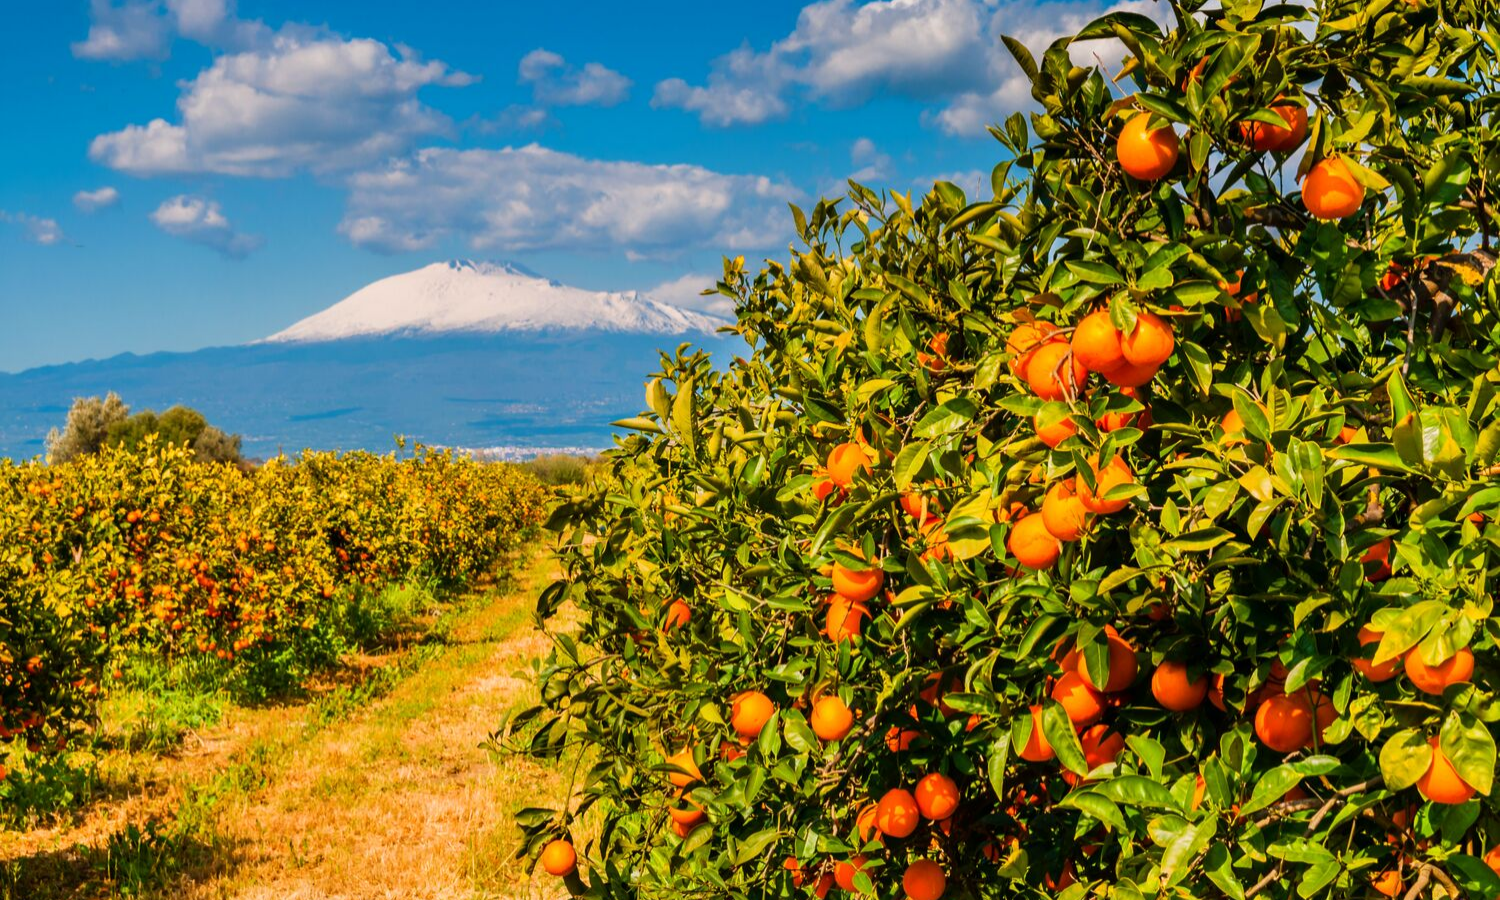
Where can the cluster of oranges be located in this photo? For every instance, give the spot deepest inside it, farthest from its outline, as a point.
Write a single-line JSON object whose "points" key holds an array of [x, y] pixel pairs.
{"points": [[1330, 191]]}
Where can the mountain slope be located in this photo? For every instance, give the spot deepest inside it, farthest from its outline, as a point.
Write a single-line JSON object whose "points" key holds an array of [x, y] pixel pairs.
{"points": [[461, 296]]}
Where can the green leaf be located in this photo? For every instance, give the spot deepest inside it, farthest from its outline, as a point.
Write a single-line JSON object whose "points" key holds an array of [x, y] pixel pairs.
{"points": [[638, 423], [1096, 805], [1095, 272], [1404, 759], [1057, 728], [1469, 745], [1137, 790], [1271, 787], [1381, 456], [946, 419], [996, 760], [1184, 849]]}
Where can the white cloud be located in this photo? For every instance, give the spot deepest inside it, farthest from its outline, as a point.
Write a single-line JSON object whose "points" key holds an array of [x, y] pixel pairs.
{"points": [[314, 103], [38, 230], [686, 292], [526, 198], [946, 52], [873, 164], [556, 83], [93, 201], [200, 221], [133, 30]]}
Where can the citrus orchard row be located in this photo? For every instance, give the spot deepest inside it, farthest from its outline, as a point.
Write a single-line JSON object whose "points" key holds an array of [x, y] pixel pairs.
{"points": [[154, 552], [1131, 532]]}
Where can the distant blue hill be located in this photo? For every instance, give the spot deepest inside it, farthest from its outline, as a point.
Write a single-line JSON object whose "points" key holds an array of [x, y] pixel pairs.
{"points": [[534, 389]]}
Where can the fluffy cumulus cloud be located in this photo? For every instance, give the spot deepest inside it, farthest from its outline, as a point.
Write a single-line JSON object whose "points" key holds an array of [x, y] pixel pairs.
{"points": [[315, 103], [872, 164], [201, 221], [37, 229], [93, 201], [947, 52], [554, 82], [144, 29], [686, 291], [529, 198]]}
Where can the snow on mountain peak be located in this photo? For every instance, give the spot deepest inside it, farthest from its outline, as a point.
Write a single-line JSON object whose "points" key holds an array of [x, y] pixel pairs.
{"points": [[487, 297]]}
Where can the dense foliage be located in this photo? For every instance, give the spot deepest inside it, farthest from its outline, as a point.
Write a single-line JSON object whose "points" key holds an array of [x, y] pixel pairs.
{"points": [[94, 423], [154, 551], [1130, 532]]}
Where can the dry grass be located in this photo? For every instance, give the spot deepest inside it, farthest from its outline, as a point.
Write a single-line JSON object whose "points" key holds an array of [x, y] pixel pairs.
{"points": [[399, 800]]}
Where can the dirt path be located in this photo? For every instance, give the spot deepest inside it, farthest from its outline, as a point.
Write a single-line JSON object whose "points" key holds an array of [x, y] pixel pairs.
{"points": [[393, 798]]}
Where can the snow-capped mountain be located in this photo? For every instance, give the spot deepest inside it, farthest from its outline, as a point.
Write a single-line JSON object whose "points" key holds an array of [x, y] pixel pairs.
{"points": [[460, 296]]}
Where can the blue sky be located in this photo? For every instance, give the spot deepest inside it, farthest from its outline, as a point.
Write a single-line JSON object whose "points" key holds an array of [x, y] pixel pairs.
{"points": [[189, 173]]}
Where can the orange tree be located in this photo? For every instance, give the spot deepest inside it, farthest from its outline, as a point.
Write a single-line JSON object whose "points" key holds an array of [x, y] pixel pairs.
{"points": [[1128, 533]]}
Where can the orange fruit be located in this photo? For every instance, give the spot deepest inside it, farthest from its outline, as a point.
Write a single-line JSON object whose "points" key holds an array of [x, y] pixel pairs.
{"points": [[1037, 749], [1173, 689], [897, 814], [1331, 191], [937, 796], [1116, 473], [678, 614], [1151, 343], [1054, 373], [687, 816], [1377, 561], [1492, 859], [1114, 421], [1024, 340], [845, 619], [937, 360], [1056, 433], [1082, 703], [936, 540], [831, 719], [1216, 693], [1101, 746], [900, 739], [750, 712], [857, 585], [1383, 672], [690, 774], [920, 507], [1278, 138], [844, 461], [799, 877], [1144, 152], [1284, 723], [823, 488], [1096, 342], [683, 831], [924, 880], [844, 872], [864, 823], [1387, 883], [1063, 513], [1032, 544], [1441, 782], [559, 858], [1128, 375], [1122, 664], [1433, 679]]}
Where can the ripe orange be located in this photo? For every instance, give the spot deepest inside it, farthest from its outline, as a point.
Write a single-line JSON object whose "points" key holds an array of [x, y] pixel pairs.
{"points": [[799, 877], [1054, 373], [559, 858], [1433, 679], [857, 585], [1216, 693], [1151, 343], [1377, 561], [924, 880], [823, 488], [846, 460], [1492, 859], [1096, 342], [898, 739], [1173, 689], [844, 872], [937, 796], [687, 816], [1114, 421], [1082, 703], [937, 360], [936, 540], [897, 814], [1383, 672], [1056, 433], [831, 719], [1441, 782], [921, 507], [1037, 749], [1331, 191], [678, 614], [1128, 375], [1032, 544], [750, 713], [1284, 722], [1063, 513], [1122, 664], [1116, 473], [1024, 341], [690, 774], [1387, 883], [1277, 138], [1101, 746], [845, 619], [864, 823], [1147, 153]]}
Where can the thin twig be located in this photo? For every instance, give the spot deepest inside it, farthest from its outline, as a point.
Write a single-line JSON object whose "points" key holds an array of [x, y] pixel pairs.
{"points": [[1424, 875]]}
